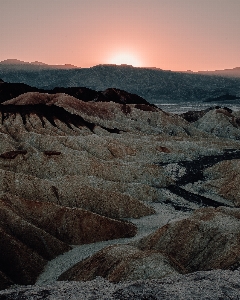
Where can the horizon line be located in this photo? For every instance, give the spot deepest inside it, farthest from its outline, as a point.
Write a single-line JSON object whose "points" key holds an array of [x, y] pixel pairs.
{"points": [[71, 66]]}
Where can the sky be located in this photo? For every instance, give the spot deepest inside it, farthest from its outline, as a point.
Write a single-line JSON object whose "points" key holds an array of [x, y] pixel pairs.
{"points": [[173, 35]]}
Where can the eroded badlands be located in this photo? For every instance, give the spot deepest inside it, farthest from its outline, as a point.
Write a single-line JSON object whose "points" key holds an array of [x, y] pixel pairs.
{"points": [[74, 172]]}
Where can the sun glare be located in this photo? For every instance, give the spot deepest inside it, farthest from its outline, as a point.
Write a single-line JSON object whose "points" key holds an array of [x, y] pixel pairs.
{"points": [[125, 58]]}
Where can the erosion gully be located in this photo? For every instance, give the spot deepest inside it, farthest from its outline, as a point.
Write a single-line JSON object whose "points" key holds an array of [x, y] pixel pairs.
{"points": [[165, 213], [194, 172]]}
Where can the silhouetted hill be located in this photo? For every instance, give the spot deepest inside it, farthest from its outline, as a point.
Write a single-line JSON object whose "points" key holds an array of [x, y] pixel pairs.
{"points": [[154, 85], [12, 90], [222, 98], [235, 72], [15, 64]]}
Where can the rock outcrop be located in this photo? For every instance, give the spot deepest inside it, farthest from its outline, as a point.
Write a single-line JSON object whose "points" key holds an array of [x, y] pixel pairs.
{"points": [[12, 90], [214, 285], [193, 116], [5, 282], [223, 179], [34, 232], [207, 240], [122, 97], [73, 226], [121, 263], [220, 122]]}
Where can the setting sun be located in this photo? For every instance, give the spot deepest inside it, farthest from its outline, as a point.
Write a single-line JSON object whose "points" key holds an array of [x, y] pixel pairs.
{"points": [[125, 58]]}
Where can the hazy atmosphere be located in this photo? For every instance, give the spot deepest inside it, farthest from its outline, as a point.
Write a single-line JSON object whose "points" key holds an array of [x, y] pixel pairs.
{"points": [[172, 35], [119, 149]]}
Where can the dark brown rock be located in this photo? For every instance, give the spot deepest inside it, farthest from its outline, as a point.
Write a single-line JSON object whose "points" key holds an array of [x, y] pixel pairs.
{"points": [[193, 116], [163, 149], [120, 263], [209, 239], [146, 107], [49, 153], [35, 238], [12, 90], [70, 225], [20, 263], [12, 154], [122, 97], [5, 282], [82, 93]]}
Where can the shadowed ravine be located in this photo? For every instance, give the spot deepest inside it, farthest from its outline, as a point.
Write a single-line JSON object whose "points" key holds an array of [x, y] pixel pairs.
{"points": [[194, 172], [158, 172], [50, 113], [146, 225]]}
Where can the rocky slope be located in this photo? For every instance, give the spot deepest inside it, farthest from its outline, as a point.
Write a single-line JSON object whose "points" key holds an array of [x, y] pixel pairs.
{"points": [[208, 239], [121, 263], [214, 285], [72, 170]]}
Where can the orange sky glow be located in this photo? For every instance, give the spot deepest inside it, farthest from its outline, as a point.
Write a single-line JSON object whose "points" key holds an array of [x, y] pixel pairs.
{"points": [[171, 35]]}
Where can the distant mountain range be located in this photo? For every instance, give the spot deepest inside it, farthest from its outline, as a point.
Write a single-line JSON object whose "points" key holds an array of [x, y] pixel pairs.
{"points": [[235, 72], [12, 64], [153, 84]]}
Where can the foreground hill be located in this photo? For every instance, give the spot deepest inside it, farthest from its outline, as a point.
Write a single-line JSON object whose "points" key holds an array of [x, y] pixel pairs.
{"points": [[12, 90], [73, 170], [214, 285]]}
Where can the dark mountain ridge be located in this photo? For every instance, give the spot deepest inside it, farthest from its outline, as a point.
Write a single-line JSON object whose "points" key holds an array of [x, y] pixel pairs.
{"points": [[235, 72], [154, 85], [15, 64], [12, 90]]}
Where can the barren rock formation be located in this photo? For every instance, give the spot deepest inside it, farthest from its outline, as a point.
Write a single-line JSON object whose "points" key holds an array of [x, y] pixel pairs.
{"points": [[68, 191], [81, 93], [5, 282], [122, 97], [224, 180], [193, 116], [70, 225], [71, 169], [214, 285], [33, 232], [220, 122], [121, 263], [11, 90], [124, 117], [20, 263], [220, 182], [207, 240]]}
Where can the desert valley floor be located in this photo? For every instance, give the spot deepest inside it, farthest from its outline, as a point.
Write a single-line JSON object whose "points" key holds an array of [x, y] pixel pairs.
{"points": [[106, 196]]}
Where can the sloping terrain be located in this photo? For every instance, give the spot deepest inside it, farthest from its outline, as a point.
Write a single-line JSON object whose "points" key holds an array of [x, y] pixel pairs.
{"points": [[72, 170], [121, 263], [208, 239], [214, 285]]}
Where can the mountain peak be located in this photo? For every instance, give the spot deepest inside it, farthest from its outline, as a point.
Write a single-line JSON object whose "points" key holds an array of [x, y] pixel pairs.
{"points": [[36, 64], [13, 61]]}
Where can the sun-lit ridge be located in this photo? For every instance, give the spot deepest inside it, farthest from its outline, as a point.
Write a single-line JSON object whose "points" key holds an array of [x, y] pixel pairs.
{"points": [[125, 58]]}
